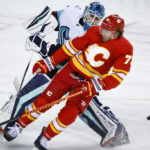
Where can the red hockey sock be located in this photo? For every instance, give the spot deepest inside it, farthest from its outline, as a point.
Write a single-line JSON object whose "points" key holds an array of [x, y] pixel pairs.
{"points": [[66, 116], [26, 118], [55, 127]]}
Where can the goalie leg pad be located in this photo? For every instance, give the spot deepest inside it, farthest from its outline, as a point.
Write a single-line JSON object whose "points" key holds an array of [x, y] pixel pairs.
{"points": [[28, 94], [111, 130]]}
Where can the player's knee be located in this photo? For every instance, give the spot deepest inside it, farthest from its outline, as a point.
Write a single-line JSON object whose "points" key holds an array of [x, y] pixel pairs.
{"points": [[68, 114], [41, 101]]}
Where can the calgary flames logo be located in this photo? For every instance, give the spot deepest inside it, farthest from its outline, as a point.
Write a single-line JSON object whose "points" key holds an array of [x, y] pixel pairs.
{"points": [[97, 55]]}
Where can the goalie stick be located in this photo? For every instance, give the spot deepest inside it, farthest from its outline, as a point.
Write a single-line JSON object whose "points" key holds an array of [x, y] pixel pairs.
{"points": [[16, 84], [18, 87]]}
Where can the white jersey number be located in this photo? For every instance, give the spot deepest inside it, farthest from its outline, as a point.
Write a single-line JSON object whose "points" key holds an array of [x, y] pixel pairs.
{"points": [[96, 55], [128, 57]]}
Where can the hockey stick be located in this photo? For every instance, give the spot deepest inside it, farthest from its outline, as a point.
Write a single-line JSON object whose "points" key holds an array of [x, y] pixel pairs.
{"points": [[41, 108], [16, 84], [25, 72], [19, 86]]}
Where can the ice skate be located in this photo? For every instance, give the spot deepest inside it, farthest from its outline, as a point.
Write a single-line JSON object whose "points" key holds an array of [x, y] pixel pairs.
{"points": [[13, 132], [115, 137], [41, 142]]}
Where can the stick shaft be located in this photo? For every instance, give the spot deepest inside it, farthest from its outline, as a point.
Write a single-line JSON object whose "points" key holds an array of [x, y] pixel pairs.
{"points": [[42, 107]]}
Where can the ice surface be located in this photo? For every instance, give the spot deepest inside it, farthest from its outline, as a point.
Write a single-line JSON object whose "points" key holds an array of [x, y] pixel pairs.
{"points": [[130, 101]]}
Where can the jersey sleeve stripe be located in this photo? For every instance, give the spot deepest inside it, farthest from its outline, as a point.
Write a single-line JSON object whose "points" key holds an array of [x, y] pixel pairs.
{"points": [[121, 75], [42, 66], [121, 71], [71, 48], [117, 77], [66, 51], [76, 50]]}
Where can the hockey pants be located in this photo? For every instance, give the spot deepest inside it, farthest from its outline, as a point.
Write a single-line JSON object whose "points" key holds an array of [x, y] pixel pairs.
{"points": [[64, 81]]}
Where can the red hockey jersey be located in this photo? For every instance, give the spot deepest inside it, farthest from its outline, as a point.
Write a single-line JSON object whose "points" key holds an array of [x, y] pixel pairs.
{"points": [[109, 61]]}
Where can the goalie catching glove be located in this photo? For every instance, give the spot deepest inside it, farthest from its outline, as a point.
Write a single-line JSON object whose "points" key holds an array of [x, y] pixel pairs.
{"points": [[43, 66], [37, 44], [92, 87]]}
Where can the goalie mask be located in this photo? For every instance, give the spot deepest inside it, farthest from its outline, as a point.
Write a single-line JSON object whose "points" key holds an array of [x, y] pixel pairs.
{"points": [[92, 15]]}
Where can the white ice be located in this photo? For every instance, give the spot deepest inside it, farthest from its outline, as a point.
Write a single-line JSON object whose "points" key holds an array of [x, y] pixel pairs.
{"points": [[130, 101]]}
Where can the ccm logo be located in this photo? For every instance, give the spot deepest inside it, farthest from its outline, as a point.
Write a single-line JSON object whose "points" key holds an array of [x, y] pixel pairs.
{"points": [[49, 93]]}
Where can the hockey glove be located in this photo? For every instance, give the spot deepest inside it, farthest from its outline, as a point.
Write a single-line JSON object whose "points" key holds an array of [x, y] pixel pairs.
{"points": [[92, 87], [37, 44], [43, 66]]}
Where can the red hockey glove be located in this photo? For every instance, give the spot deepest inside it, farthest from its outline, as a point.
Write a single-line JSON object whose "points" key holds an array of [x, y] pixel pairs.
{"points": [[43, 66], [92, 87]]}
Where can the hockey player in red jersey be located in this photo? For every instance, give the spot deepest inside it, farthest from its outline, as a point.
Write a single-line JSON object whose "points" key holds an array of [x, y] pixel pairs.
{"points": [[98, 60]]}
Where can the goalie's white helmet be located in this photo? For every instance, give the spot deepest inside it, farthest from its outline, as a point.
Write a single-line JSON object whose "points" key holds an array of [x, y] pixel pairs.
{"points": [[92, 15]]}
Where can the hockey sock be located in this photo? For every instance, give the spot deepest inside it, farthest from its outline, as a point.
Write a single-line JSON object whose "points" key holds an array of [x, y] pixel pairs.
{"points": [[54, 128], [66, 117]]}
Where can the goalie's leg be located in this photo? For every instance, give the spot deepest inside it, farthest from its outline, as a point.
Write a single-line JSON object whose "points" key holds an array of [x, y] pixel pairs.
{"points": [[103, 122], [27, 95]]}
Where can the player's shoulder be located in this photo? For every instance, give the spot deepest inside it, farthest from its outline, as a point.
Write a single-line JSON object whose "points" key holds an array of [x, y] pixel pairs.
{"points": [[126, 44], [93, 34], [121, 46], [93, 31]]}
